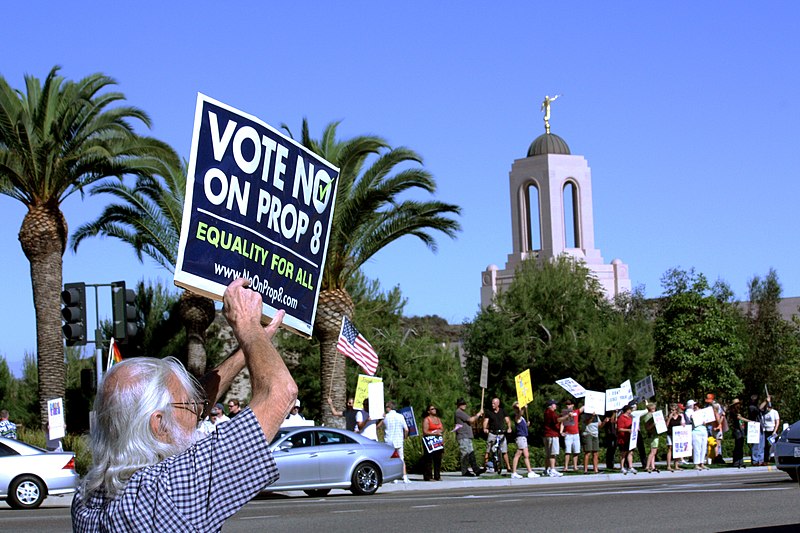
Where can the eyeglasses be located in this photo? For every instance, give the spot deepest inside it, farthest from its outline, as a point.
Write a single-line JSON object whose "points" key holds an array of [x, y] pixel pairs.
{"points": [[195, 406]]}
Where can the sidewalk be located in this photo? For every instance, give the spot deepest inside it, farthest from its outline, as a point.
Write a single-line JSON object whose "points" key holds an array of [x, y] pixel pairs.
{"points": [[454, 480]]}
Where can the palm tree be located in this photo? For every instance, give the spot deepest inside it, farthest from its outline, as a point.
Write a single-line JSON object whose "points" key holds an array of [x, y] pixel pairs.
{"points": [[149, 218], [368, 217], [55, 139]]}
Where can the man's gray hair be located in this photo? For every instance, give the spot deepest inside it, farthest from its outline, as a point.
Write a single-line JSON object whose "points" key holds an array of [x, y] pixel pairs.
{"points": [[122, 440]]}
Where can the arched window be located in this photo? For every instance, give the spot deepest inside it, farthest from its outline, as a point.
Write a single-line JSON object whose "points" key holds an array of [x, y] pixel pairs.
{"points": [[534, 222], [572, 225]]}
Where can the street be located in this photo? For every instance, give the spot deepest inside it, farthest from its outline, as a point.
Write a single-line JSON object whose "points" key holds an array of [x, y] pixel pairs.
{"points": [[656, 502]]}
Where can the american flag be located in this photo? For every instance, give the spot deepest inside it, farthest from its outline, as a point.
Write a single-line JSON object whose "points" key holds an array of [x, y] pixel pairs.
{"points": [[356, 347]]}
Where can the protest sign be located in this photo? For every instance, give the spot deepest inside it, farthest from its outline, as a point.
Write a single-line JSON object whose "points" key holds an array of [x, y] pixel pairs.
{"points": [[644, 389], [377, 408], [634, 432], [614, 399], [259, 206], [626, 391], [55, 419], [661, 424], [753, 432], [594, 402], [411, 421], [572, 387], [433, 443], [703, 416], [524, 388], [362, 390], [681, 442], [484, 372]]}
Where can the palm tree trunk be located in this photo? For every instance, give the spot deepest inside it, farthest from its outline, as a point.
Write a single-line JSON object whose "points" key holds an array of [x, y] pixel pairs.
{"points": [[43, 236], [197, 313], [332, 306]]}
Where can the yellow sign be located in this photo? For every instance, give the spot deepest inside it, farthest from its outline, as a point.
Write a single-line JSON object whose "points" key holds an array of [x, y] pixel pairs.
{"points": [[361, 389], [524, 388]]}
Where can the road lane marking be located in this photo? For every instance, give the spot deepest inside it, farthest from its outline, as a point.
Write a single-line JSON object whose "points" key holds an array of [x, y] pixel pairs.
{"points": [[423, 506], [349, 511], [260, 517]]}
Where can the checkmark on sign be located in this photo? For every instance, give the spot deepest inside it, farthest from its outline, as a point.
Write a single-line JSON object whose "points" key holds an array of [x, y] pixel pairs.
{"points": [[324, 190]]}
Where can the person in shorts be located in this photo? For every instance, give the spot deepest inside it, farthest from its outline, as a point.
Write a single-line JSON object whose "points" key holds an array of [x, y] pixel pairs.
{"points": [[495, 423], [590, 439], [522, 444], [570, 430], [551, 435]]}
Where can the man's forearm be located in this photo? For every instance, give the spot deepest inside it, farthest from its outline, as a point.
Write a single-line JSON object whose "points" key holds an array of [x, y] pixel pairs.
{"points": [[217, 381]]}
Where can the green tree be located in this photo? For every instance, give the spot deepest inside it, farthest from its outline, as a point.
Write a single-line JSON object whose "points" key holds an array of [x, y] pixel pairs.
{"points": [[148, 217], [56, 138], [773, 347], [698, 338], [370, 214], [555, 320]]}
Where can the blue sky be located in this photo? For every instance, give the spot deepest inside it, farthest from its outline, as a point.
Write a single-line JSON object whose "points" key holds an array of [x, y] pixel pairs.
{"points": [[687, 114]]}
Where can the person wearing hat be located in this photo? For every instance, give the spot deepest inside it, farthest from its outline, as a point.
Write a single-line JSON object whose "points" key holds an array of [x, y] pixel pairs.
{"points": [[624, 428], [220, 416], [464, 436], [294, 415], [551, 435], [735, 420]]}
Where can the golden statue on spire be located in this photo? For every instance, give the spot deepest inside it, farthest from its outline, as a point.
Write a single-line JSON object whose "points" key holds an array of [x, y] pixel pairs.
{"points": [[546, 109]]}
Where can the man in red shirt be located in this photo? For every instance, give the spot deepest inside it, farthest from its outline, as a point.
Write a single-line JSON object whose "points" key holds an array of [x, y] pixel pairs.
{"points": [[551, 435], [572, 440]]}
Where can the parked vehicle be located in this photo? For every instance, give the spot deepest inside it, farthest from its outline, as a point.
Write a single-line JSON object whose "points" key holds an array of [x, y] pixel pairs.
{"points": [[29, 474], [787, 450], [318, 459]]}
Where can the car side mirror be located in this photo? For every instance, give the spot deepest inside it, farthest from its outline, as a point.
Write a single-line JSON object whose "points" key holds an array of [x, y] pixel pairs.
{"points": [[286, 446]]}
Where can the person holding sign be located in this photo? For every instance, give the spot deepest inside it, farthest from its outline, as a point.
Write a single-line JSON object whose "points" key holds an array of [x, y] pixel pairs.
{"points": [[651, 437], [624, 425], [591, 439], [149, 472], [571, 433], [432, 433], [464, 437], [699, 437], [675, 420], [772, 423], [551, 434], [522, 443], [735, 420]]}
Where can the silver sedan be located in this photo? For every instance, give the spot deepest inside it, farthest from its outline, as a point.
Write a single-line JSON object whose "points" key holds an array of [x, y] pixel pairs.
{"points": [[29, 474], [318, 459]]}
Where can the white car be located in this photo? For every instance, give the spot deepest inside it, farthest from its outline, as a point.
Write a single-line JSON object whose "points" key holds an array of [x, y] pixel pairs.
{"points": [[29, 474]]}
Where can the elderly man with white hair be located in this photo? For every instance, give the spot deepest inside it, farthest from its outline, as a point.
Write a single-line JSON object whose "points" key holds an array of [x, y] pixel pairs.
{"points": [[149, 471]]}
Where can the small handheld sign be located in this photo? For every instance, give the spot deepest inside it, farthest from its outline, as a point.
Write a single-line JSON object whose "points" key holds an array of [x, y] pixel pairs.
{"points": [[258, 206]]}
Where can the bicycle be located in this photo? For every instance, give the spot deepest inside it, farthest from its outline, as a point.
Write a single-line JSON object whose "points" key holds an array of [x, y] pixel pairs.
{"points": [[495, 453]]}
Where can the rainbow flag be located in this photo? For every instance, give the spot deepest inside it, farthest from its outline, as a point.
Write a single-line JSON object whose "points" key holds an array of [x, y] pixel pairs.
{"points": [[114, 356]]}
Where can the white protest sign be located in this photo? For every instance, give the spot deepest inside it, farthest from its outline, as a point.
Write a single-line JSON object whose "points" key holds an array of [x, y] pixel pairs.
{"points": [[627, 392], [644, 388], [681, 441], [614, 399], [634, 432], [661, 424], [375, 395], [55, 418], [703, 416], [594, 402], [753, 432], [484, 372], [572, 387]]}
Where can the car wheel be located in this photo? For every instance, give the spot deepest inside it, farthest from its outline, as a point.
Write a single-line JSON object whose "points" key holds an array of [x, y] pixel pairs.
{"points": [[366, 479], [317, 493], [792, 474], [26, 492]]}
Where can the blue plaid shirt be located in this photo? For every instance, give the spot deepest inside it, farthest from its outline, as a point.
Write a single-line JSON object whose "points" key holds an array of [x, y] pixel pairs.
{"points": [[196, 490]]}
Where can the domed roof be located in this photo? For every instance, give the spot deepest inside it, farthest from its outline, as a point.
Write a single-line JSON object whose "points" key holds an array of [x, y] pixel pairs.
{"points": [[548, 143]]}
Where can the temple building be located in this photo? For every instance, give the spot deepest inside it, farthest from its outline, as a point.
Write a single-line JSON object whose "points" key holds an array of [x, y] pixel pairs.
{"points": [[551, 215]]}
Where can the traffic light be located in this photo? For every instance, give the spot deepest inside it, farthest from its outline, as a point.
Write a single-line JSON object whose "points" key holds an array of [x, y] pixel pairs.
{"points": [[125, 314], [74, 312]]}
